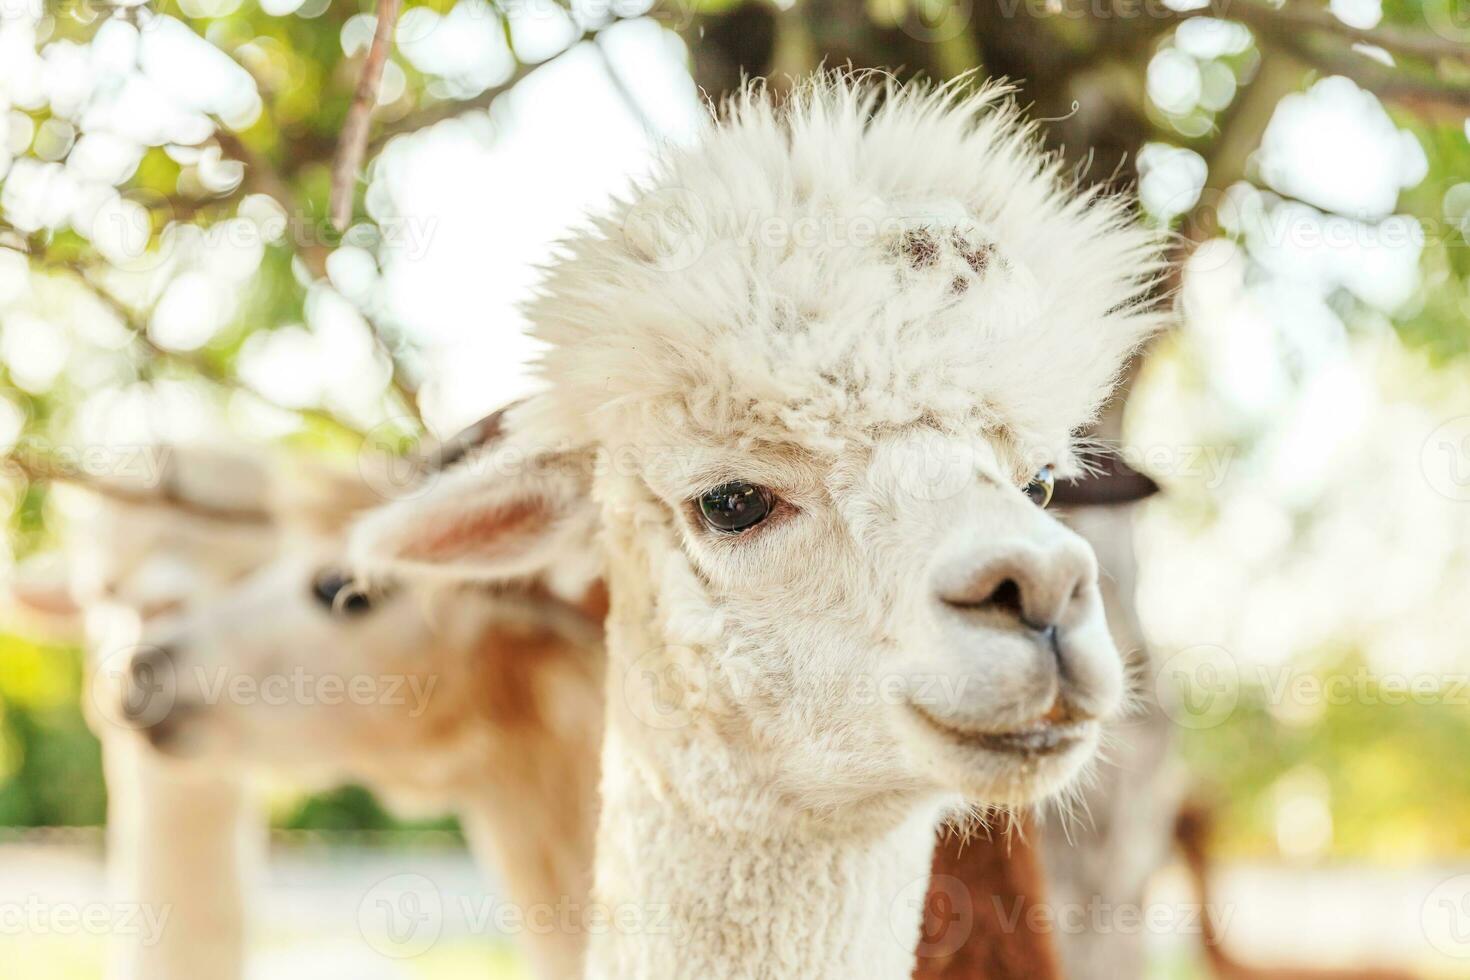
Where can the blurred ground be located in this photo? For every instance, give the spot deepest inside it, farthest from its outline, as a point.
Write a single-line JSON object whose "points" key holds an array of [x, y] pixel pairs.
{"points": [[317, 915]]}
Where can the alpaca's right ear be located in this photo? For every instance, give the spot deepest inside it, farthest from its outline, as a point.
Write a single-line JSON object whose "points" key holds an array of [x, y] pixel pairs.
{"points": [[502, 514]]}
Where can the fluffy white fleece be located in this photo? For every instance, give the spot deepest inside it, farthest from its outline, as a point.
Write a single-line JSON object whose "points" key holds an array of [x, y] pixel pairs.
{"points": [[859, 257], [824, 297], [810, 279]]}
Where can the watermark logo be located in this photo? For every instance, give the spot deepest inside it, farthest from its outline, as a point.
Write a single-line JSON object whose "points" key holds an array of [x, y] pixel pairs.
{"points": [[389, 464], [1444, 459], [401, 917], [134, 687], [1198, 687], [933, 469], [1445, 917], [1449, 19], [669, 228], [946, 914], [929, 21], [123, 228], [666, 688]]}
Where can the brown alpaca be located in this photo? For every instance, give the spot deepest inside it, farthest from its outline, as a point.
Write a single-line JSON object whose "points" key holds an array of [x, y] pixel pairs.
{"points": [[1192, 833], [1002, 881]]}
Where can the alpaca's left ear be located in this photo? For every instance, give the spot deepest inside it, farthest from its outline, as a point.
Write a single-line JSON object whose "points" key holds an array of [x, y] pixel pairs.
{"points": [[502, 514], [1111, 483]]}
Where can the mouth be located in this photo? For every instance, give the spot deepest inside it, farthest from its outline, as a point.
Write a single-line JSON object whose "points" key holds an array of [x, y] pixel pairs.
{"points": [[1042, 739]]}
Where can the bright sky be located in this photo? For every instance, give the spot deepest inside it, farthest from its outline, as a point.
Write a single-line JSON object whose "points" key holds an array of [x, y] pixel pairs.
{"points": [[494, 196]]}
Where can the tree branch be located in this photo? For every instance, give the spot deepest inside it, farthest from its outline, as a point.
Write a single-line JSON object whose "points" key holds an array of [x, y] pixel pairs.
{"points": [[265, 179], [1425, 96], [165, 494], [1294, 15], [1286, 29], [262, 177], [424, 118], [352, 144]]}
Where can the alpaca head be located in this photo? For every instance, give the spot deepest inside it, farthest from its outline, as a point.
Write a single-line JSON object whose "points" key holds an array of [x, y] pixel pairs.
{"points": [[149, 544], [137, 548], [303, 669], [816, 450], [295, 667]]}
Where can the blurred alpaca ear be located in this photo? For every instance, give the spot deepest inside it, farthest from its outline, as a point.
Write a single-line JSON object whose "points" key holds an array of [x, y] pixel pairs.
{"points": [[1112, 482], [40, 590], [500, 514], [323, 499]]}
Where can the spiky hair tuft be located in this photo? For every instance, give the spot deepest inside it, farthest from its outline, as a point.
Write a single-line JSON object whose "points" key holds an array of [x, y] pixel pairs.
{"points": [[856, 257]]}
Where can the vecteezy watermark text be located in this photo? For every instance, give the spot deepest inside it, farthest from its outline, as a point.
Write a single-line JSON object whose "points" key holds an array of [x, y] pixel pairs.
{"points": [[34, 916]]}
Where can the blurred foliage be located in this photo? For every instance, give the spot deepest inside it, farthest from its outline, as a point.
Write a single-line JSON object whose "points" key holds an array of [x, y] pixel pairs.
{"points": [[349, 808], [1382, 761], [1441, 325], [50, 764]]}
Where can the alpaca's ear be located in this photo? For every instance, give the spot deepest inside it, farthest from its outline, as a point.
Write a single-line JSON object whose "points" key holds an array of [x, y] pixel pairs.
{"points": [[322, 499], [1111, 482], [40, 589], [501, 514]]}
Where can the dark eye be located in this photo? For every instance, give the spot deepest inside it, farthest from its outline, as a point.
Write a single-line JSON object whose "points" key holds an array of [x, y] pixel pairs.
{"points": [[735, 507], [1042, 486], [339, 593]]}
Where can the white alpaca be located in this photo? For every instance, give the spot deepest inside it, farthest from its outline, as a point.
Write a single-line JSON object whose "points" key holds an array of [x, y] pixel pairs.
{"points": [[181, 845], [484, 703], [836, 613]]}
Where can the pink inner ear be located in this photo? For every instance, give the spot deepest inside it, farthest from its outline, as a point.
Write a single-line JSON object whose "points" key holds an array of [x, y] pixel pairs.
{"points": [[46, 599], [494, 533]]}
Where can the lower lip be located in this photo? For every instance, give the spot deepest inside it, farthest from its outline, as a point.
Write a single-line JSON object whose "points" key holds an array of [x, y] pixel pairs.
{"points": [[1047, 740]]}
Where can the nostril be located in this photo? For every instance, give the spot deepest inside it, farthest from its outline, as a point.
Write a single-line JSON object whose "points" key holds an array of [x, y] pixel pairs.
{"points": [[148, 665], [1009, 598], [1027, 586], [149, 683], [1006, 597]]}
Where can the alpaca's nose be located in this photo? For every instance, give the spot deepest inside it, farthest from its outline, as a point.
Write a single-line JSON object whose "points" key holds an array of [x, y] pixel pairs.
{"points": [[1040, 585], [148, 686], [1015, 602]]}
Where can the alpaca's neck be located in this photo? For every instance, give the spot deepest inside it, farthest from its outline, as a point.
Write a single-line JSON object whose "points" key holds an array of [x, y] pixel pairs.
{"points": [[688, 896], [541, 844], [708, 862], [528, 800], [181, 847]]}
